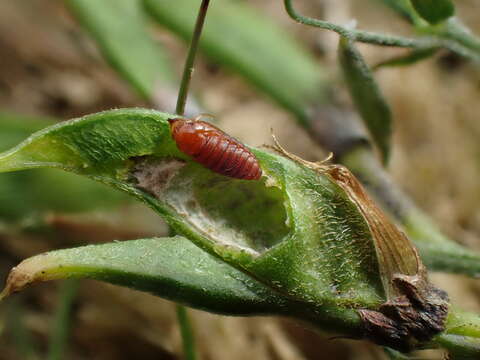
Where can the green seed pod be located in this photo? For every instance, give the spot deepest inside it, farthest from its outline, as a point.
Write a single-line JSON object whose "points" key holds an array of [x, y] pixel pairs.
{"points": [[415, 310], [305, 241]]}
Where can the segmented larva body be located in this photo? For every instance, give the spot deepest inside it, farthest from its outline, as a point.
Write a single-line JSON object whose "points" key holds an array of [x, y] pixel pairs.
{"points": [[214, 149]]}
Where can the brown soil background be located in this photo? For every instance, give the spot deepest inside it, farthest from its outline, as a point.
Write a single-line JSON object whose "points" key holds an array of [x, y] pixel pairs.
{"points": [[50, 66]]}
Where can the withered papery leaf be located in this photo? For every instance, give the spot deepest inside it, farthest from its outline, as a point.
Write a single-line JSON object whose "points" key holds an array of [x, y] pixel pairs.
{"points": [[395, 252], [415, 310], [397, 257]]}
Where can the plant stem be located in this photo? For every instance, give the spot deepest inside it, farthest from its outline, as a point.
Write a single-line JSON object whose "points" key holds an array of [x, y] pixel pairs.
{"points": [[61, 324], [462, 335], [22, 339], [461, 40], [358, 35], [187, 333], [186, 330], [182, 316], [455, 36], [192, 52]]}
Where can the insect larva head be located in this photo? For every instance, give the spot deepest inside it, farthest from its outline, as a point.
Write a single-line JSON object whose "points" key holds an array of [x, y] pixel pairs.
{"points": [[176, 124], [185, 133]]}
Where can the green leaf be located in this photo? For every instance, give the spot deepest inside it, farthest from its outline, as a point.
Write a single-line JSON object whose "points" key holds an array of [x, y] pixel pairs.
{"points": [[239, 38], [367, 96], [434, 11], [295, 231], [173, 268], [120, 29]]}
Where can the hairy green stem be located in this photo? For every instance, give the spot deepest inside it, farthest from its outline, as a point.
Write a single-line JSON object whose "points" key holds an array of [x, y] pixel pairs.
{"points": [[461, 40], [458, 32], [452, 34], [192, 52], [358, 35], [61, 324]]}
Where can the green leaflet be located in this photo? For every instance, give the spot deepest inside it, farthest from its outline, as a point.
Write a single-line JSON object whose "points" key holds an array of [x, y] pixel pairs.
{"points": [[367, 96], [250, 44], [120, 29], [294, 231], [434, 11]]}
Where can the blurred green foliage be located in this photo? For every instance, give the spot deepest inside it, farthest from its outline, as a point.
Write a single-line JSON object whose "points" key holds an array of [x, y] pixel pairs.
{"points": [[35, 192]]}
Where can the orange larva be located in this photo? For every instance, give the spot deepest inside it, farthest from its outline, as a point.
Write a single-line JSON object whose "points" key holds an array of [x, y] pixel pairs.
{"points": [[214, 149]]}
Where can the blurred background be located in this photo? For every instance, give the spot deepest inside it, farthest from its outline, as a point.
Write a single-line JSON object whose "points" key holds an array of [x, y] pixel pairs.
{"points": [[55, 65]]}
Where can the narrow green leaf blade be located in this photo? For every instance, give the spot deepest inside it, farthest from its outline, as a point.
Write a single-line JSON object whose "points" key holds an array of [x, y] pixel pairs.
{"points": [[367, 96], [434, 11], [120, 29], [172, 268], [236, 36]]}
